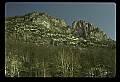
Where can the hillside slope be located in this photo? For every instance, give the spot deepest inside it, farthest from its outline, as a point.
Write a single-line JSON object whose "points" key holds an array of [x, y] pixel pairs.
{"points": [[39, 45]]}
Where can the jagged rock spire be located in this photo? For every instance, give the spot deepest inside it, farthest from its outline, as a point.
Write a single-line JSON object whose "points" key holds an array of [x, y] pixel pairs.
{"points": [[87, 30]]}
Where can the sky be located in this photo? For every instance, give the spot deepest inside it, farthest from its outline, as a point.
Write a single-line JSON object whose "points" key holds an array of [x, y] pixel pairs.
{"points": [[103, 15]]}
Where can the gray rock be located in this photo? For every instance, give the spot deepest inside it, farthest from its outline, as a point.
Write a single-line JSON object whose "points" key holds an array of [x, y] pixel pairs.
{"points": [[86, 30]]}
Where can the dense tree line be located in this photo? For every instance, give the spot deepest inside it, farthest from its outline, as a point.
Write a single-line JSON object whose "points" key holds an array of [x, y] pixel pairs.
{"points": [[29, 60]]}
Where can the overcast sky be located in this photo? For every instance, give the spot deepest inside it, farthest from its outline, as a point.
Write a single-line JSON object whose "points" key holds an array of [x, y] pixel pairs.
{"points": [[102, 15]]}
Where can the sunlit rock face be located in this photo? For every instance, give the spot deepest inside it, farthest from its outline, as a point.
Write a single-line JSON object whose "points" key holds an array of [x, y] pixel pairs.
{"points": [[47, 20], [86, 30]]}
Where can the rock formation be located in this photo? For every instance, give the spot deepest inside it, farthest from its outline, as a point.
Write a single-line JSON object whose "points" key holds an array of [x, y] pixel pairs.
{"points": [[87, 30]]}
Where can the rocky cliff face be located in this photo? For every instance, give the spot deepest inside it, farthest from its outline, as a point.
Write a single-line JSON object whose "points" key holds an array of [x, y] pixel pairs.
{"points": [[42, 28], [47, 20], [87, 30]]}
